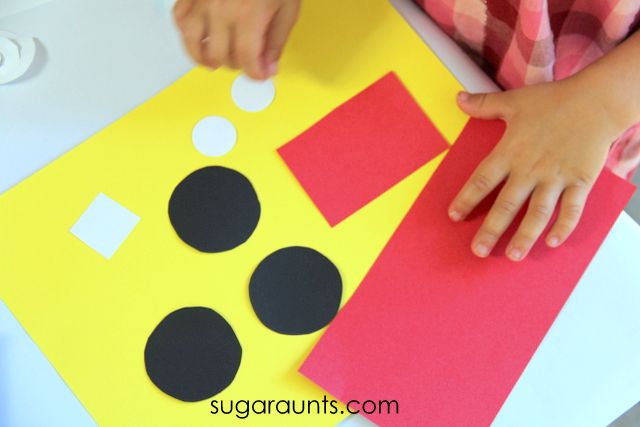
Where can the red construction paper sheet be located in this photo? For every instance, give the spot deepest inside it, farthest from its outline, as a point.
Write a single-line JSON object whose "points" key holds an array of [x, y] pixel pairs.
{"points": [[444, 333], [363, 148]]}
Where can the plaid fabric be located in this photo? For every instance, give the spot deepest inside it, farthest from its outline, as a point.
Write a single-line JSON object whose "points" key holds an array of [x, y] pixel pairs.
{"points": [[523, 42]]}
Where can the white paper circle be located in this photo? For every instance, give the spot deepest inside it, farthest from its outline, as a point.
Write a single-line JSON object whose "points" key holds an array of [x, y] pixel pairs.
{"points": [[252, 95], [214, 136], [17, 53]]}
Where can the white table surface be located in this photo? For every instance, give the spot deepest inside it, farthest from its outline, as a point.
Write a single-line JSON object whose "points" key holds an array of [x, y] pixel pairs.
{"points": [[98, 64]]}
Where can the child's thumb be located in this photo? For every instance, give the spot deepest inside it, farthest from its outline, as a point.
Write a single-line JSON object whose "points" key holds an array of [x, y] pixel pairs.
{"points": [[482, 105]]}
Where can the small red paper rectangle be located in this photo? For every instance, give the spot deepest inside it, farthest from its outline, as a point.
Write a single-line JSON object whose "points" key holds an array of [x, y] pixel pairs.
{"points": [[443, 332], [362, 148]]}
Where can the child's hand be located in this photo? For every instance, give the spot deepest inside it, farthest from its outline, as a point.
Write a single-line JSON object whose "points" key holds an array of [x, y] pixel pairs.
{"points": [[246, 34], [554, 148]]}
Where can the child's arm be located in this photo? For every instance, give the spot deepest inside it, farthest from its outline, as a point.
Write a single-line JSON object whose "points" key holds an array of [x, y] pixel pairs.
{"points": [[555, 146], [246, 34]]}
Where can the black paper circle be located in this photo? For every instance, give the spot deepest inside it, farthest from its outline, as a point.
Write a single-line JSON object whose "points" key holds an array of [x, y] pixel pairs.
{"points": [[296, 290], [214, 209], [193, 354]]}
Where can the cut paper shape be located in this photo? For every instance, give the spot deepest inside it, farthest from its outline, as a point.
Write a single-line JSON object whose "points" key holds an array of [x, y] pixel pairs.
{"points": [[193, 354], [214, 136], [105, 225], [214, 209], [295, 291], [452, 332], [252, 95], [16, 56], [362, 148]]}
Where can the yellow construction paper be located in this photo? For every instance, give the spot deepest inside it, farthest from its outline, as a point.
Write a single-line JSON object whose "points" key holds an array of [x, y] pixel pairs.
{"points": [[91, 316]]}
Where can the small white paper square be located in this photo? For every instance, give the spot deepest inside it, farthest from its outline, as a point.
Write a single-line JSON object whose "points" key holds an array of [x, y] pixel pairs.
{"points": [[105, 225]]}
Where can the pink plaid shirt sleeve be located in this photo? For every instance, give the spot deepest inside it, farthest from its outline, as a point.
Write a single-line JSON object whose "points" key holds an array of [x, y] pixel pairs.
{"points": [[523, 42]]}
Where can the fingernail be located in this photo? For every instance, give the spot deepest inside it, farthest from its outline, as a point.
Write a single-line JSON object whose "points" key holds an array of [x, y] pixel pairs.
{"points": [[553, 242], [481, 250], [272, 69], [463, 96], [515, 254], [455, 215]]}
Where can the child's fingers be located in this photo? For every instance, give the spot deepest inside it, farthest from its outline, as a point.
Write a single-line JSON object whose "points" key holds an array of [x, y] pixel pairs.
{"points": [[571, 207], [487, 176], [181, 9], [217, 46], [233, 48], [278, 33], [194, 30], [250, 40], [539, 211], [484, 105], [501, 215]]}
